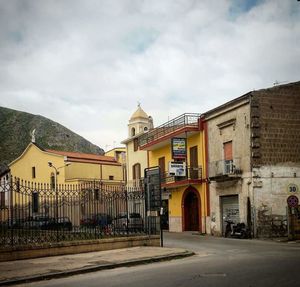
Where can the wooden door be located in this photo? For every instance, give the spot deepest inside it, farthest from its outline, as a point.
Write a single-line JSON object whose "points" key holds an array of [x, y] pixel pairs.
{"points": [[191, 212]]}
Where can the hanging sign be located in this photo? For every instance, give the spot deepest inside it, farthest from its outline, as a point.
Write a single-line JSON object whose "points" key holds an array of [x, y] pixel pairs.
{"points": [[178, 148]]}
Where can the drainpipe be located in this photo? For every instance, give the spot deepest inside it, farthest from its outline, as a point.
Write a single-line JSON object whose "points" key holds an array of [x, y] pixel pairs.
{"points": [[206, 170]]}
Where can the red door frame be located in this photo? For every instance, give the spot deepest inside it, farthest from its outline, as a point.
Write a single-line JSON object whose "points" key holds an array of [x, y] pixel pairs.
{"points": [[186, 192]]}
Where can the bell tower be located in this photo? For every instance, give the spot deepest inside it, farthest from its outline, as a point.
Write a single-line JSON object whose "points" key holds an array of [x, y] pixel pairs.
{"points": [[139, 122]]}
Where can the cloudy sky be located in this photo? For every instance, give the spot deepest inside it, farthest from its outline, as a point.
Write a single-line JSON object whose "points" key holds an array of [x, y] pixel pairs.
{"points": [[86, 64]]}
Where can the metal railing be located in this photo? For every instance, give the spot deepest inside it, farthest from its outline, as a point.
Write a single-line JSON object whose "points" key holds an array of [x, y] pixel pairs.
{"points": [[184, 120], [225, 167], [192, 173], [35, 213]]}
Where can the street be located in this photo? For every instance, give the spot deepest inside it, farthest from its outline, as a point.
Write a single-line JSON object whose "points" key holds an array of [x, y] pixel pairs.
{"points": [[218, 262]]}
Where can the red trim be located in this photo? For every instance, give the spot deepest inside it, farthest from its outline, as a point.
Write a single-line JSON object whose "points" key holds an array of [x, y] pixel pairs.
{"points": [[170, 135], [204, 123], [186, 192], [184, 182]]}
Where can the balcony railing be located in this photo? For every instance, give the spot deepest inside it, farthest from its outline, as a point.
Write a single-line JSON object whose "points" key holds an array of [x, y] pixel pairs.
{"points": [[192, 173], [184, 120], [225, 168]]}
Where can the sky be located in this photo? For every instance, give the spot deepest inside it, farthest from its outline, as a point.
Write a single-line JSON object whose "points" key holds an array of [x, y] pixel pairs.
{"points": [[87, 64]]}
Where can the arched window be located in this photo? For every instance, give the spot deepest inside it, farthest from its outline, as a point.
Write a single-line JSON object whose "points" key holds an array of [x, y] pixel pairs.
{"points": [[132, 132], [145, 129]]}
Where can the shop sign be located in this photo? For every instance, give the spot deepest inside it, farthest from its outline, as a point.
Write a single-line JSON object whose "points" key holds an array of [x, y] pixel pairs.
{"points": [[177, 168], [178, 148]]}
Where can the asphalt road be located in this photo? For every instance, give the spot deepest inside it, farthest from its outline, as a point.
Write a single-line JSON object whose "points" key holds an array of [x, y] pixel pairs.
{"points": [[218, 262]]}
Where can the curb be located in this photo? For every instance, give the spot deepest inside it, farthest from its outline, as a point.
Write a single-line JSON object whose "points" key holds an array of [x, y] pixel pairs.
{"points": [[83, 270]]}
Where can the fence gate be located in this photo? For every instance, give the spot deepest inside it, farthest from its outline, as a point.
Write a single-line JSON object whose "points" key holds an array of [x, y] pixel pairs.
{"points": [[153, 198]]}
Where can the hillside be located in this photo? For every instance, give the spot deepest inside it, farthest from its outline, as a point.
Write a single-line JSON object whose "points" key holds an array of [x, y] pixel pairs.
{"points": [[15, 135]]}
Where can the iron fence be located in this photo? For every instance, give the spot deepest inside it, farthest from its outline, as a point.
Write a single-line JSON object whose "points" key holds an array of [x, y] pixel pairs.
{"points": [[32, 213], [184, 120], [191, 173]]}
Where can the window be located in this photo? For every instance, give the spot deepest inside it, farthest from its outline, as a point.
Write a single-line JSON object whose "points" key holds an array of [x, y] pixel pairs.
{"points": [[136, 144], [145, 129], [136, 171], [33, 171], [133, 132], [111, 177], [228, 159], [161, 164], [194, 174]]}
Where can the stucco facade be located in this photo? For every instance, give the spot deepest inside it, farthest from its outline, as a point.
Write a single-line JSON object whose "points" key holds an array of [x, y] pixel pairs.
{"points": [[184, 197], [254, 159], [33, 166], [229, 124]]}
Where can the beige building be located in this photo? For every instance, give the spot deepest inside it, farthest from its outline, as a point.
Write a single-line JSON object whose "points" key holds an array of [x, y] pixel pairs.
{"points": [[136, 159], [253, 145], [228, 142]]}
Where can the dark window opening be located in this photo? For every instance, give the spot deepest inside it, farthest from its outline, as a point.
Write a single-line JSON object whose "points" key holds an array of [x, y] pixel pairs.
{"points": [[33, 171]]}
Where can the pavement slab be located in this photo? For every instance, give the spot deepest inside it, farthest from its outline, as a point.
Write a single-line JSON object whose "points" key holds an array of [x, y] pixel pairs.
{"points": [[19, 271]]}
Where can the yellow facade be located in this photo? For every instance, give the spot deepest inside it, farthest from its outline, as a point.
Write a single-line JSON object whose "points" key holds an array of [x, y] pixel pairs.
{"points": [[35, 157], [68, 171], [178, 190]]}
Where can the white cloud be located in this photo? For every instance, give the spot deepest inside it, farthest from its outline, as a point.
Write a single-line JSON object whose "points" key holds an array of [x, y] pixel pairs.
{"points": [[85, 64]]}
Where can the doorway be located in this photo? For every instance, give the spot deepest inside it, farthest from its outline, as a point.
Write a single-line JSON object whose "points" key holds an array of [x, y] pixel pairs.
{"points": [[191, 210]]}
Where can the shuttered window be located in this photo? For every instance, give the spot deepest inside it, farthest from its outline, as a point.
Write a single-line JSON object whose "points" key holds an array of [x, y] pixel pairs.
{"points": [[228, 151], [161, 164]]}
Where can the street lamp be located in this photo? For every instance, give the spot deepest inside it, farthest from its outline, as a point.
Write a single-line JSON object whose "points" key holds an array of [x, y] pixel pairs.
{"points": [[50, 164]]}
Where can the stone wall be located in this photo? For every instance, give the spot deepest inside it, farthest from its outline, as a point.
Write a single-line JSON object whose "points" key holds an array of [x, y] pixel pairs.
{"points": [[275, 125]]}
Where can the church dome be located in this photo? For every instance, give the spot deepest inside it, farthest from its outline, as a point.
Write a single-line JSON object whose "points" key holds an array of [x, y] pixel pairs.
{"points": [[139, 113]]}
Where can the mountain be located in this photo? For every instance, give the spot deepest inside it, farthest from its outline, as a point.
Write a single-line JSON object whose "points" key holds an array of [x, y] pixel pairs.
{"points": [[15, 135]]}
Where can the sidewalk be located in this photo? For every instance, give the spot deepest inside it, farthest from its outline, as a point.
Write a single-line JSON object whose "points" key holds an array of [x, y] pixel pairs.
{"points": [[20, 271]]}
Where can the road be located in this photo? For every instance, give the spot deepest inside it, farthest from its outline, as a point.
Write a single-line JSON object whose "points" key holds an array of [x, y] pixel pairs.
{"points": [[218, 262]]}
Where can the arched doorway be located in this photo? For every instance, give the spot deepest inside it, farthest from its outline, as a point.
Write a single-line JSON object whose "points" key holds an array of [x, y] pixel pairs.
{"points": [[191, 210]]}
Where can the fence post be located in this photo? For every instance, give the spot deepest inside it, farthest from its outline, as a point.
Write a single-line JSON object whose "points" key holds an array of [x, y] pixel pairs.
{"points": [[11, 190]]}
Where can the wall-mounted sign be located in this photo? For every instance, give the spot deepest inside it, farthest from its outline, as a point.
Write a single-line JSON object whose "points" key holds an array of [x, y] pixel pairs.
{"points": [[292, 201], [178, 148], [177, 168], [293, 188]]}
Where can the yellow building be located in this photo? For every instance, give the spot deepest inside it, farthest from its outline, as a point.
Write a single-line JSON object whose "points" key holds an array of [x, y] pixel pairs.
{"points": [[39, 165], [178, 148], [54, 183]]}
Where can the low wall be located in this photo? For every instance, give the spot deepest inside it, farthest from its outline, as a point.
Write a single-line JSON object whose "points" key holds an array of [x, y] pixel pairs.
{"points": [[74, 247]]}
